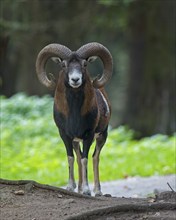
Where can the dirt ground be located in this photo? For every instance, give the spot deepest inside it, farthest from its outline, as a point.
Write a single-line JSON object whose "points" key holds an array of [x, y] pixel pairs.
{"points": [[28, 200]]}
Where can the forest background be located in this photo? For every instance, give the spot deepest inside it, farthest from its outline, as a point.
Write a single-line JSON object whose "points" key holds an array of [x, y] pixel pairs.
{"points": [[139, 33]]}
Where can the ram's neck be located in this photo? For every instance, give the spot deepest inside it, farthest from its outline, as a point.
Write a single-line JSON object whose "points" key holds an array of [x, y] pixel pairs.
{"points": [[77, 101]]}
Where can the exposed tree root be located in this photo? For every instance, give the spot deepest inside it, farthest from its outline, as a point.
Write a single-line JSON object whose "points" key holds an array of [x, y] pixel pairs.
{"points": [[30, 184], [109, 211]]}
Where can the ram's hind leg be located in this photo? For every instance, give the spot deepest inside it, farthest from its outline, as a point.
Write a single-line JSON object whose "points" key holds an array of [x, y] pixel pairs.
{"points": [[78, 154], [100, 141], [86, 146]]}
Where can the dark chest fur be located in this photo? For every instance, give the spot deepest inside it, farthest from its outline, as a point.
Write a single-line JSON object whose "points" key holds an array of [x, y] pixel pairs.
{"points": [[75, 124]]}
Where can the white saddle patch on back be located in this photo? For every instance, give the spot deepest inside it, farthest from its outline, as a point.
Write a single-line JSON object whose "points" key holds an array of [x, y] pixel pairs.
{"points": [[106, 103]]}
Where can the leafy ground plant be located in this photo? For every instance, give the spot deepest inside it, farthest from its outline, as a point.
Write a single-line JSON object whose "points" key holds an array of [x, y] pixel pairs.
{"points": [[32, 149]]}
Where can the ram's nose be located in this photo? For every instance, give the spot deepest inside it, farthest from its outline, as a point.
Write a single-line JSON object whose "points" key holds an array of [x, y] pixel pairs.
{"points": [[75, 80]]}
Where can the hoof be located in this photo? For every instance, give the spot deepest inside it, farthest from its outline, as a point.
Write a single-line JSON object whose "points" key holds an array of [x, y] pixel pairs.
{"points": [[87, 192], [70, 188], [80, 190], [98, 193]]}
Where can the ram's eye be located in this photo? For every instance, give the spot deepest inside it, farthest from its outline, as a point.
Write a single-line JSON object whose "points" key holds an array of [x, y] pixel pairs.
{"points": [[84, 63], [63, 63]]}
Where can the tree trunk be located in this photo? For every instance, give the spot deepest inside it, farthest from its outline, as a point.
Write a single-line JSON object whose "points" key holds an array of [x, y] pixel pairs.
{"points": [[149, 107]]}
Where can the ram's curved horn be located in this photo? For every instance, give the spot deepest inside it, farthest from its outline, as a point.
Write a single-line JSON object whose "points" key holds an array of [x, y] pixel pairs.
{"points": [[96, 49], [51, 50]]}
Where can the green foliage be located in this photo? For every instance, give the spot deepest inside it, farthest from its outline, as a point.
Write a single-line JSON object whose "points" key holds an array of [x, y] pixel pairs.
{"points": [[32, 149]]}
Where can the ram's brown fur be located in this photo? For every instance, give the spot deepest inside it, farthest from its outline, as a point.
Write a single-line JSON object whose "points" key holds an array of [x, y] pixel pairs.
{"points": [[60, 96], [82, 112]]}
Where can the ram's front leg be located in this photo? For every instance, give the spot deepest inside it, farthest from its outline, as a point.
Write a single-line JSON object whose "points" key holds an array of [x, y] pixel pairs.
{"points": [[84, 161], [78, 154], [71, 181], [69, 148]]}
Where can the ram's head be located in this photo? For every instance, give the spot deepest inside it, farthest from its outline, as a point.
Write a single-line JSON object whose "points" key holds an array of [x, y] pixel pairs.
{"points": [[74, 63]]}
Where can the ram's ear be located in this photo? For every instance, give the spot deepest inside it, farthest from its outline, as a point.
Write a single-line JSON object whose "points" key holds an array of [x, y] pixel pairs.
{"points": [[56, 59], [92, 59]]}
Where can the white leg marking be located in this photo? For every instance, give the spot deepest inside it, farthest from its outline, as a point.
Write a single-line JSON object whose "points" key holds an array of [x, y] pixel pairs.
{"points": [[85, 185], [97, 187], [71, 182], [78, 154]]}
